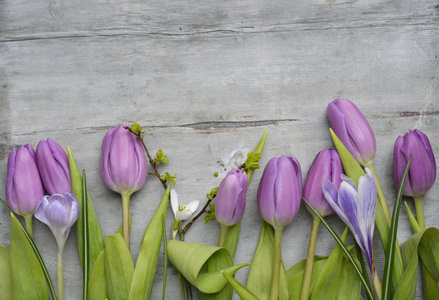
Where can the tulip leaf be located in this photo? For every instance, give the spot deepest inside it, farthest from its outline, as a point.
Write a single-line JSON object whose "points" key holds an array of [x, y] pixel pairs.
{"points": [[119, 267], [329, 280], [190, 258], [364, 279], [97, 286], [295, 276], [261, 271], [85, 238], [350, 284], [34, 248], [165, 258], [350, 165], [96, 241], [5, 274], [27, 275], [146, 265], [241, 290], [391, 246], [232, 237]]}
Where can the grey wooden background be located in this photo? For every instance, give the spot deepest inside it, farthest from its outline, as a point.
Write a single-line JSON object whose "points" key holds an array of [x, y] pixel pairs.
{"points": [[206, 79]]}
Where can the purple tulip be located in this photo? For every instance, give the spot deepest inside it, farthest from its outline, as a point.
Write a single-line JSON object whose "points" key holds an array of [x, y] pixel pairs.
{"points": [[53, 165], [353, 130], [23, 182], [356, 207], [422, 172], [123, 162], [326, 166], [280, 191], [59, 212], [230, 198]]}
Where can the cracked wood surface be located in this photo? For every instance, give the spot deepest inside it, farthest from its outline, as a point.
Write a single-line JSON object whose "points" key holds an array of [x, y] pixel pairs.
{"points": [[206, 79]]}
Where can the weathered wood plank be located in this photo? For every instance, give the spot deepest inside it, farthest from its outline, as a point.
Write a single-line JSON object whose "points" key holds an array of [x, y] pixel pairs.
{"points": [[206, 80]]}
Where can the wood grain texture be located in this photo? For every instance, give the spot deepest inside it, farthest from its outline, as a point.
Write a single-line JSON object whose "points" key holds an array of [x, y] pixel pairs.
{"points": [[206, 79]]}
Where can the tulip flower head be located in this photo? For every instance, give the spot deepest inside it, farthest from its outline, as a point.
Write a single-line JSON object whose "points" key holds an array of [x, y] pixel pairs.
{"points": [[23, 183], [356, 207], [422, 172], [230, 198], [353, 130], [53, 165], [123, 162], [181, 212], [280, 191], [326, 166], [59, 212]]}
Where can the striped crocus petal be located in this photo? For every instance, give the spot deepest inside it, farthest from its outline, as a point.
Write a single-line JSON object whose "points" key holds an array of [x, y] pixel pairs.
{"points": [[356, 207]]}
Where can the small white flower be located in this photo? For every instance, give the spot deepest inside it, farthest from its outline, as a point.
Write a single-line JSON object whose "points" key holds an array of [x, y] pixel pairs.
{"points": [[181, 212]]}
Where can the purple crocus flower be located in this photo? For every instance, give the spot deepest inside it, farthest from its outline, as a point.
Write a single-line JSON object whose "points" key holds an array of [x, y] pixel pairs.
{"points": [[326, 166], [356, 207], [123, 162], [23, 182], [230, 198], [59, 212], [53, 165], [280, 191], [422, 172], [353, 130]]}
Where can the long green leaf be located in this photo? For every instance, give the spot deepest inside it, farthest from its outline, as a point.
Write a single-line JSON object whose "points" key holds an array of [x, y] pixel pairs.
{"points": [[96, 240], [295, 276], [190, 258], [390, 251], [329, 280], [85, 238], [350, 284], [364, 281], [35, 250], [146, 264], [241, 290], [26, 274], [165, 258], [5, 274], [261, 271], [97, 286], [119, 267]]}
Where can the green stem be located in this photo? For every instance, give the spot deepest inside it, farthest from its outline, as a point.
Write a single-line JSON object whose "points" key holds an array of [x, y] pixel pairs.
{"points": [[310, 258], [183, 295], [125, 218], [28, 221], [274, 291], [419, 211], [223, 235], [60, 277], [380, 193]]}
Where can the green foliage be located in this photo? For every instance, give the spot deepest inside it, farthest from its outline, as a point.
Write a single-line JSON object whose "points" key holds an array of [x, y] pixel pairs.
{"points": [[146, 265], [212, 193], [252, 161], [119, 267], [27, 276], [201, 264], [168, 177], [5, 274], [136, 128], [161, 157], [210, 216], [261, 272]]}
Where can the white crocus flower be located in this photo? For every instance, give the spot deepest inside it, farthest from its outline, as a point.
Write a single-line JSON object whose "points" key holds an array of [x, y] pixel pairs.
{"points": [[181, 212]]}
